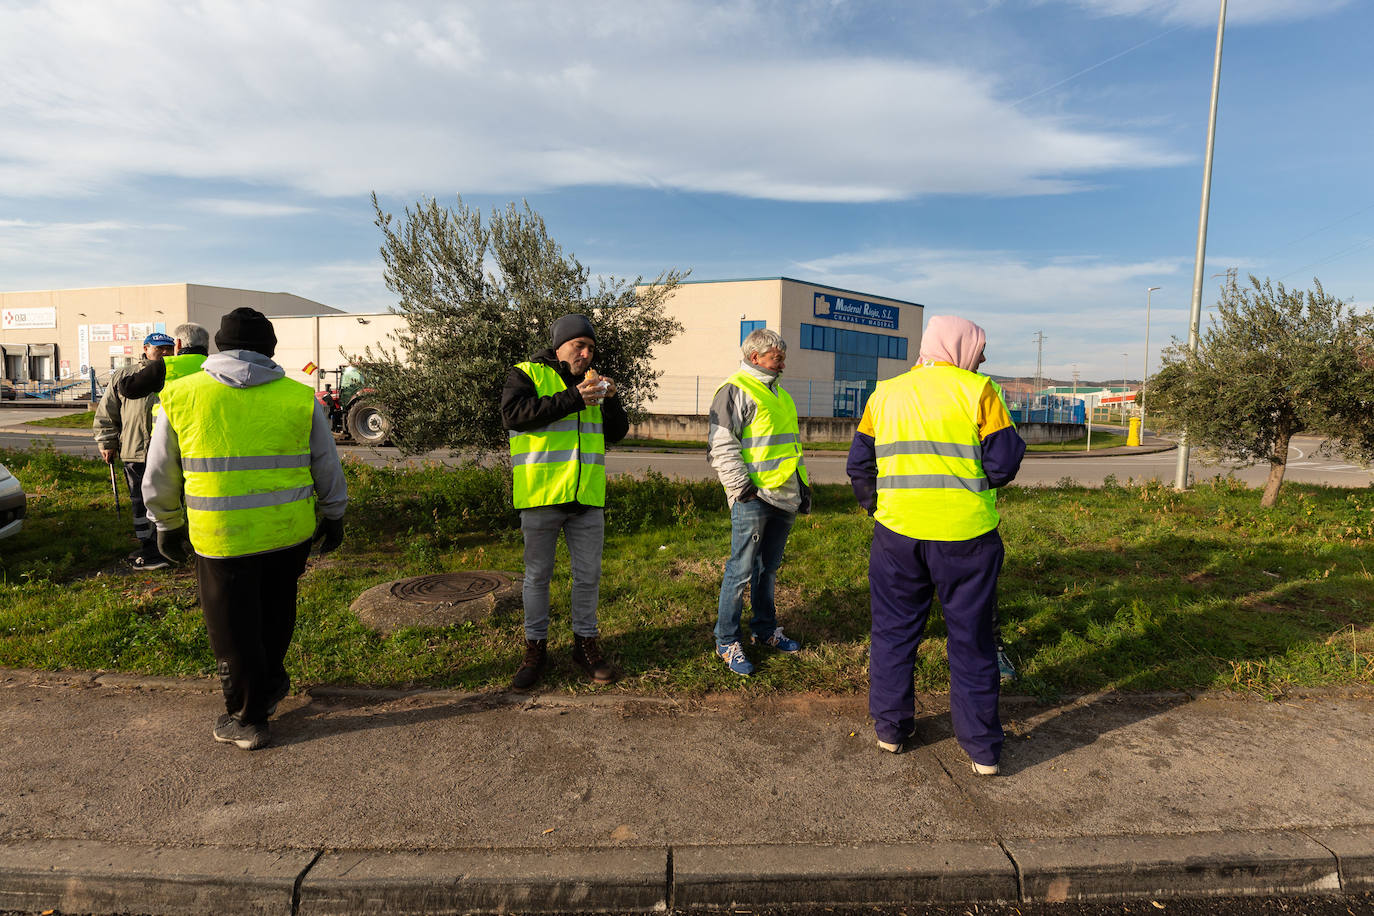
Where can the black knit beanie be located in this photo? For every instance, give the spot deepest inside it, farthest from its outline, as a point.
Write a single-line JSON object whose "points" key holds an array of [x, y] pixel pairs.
{"points": [[571, 326], [246, 329]]}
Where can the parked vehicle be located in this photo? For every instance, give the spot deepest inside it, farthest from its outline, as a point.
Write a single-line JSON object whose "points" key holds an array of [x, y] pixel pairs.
{"points": [[7, 392], [13, 503], [352, 410]]}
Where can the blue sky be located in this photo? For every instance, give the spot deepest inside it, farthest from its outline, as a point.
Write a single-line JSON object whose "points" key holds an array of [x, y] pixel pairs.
{"points": [[1031, 164]]}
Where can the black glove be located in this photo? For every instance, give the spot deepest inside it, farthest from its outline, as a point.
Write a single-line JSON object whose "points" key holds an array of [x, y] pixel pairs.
{"points": [[175, 544], [329, 534], [805, 507], [748, 494]]}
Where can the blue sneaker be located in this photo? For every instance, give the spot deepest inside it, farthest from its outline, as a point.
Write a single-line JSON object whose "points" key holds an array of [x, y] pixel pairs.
{"points": [[779, 641], [733, 656], [1004, 666]]}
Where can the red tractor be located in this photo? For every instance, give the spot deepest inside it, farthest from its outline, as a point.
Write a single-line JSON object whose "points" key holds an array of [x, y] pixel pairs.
{"points": [[352, 410]]}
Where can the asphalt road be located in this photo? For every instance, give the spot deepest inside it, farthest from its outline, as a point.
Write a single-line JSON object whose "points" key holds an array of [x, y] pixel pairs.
{"points": [[1305, 464]]}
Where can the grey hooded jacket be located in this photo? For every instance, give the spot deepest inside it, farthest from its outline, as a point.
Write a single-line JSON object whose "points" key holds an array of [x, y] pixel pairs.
{"points": [[162, 479]]}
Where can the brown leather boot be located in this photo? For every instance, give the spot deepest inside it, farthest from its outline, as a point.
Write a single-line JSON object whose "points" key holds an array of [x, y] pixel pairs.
{"points": [[532, 668], [588, 656]]}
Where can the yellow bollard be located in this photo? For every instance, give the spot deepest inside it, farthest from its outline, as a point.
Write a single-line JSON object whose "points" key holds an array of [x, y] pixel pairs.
{"points": [[1133, 435]]}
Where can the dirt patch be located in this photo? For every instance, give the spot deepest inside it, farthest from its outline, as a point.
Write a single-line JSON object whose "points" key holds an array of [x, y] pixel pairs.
{"points": [[697, 569]]}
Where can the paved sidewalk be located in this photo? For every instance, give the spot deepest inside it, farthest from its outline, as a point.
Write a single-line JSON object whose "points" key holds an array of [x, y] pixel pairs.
{"points": [[113, 797]]}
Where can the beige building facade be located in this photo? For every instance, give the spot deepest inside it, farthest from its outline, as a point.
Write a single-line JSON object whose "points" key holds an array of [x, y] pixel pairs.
{"points": [[840, 342], [49, 338]]}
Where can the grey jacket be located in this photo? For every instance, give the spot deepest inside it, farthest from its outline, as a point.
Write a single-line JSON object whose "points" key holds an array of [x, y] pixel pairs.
{"points": [[162, 479], [124, 424], [731, 411]]}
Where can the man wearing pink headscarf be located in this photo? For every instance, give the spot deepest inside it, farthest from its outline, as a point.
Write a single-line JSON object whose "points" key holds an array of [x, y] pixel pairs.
{"points": [[933, 447]]}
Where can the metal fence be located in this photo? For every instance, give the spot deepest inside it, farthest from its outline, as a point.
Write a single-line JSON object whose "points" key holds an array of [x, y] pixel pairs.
{"points": [[692, 394], [1028, 408], [88, 388]]}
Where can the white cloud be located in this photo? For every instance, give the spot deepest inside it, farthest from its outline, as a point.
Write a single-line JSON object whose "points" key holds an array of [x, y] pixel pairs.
{"points": [[1206, 12], [1090, 309], [246, 208], [31, 252], [337, 98]]}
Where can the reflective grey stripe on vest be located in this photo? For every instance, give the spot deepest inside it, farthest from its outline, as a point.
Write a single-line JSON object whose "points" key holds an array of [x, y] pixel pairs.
{"points": [[758, 467], [246, 463], [593, 458], [929, 447], [544, 457], [566, 425], [762, 441], [249, 500], [933, 482]]}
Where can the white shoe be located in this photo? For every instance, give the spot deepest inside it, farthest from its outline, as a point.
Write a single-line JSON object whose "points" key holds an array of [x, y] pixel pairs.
{"points": [[985, 769], [890, 746]]}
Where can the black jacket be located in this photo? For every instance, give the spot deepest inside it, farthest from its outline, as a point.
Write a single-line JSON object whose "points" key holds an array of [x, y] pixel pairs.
{"points": [[523, 409], [152, 378]]}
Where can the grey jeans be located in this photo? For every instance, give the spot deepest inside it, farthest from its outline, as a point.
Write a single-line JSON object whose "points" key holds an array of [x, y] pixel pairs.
{"points": [[584, 531]]}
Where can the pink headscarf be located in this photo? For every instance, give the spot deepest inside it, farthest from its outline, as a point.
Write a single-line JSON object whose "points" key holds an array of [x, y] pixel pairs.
{"points": [[953, 340]]}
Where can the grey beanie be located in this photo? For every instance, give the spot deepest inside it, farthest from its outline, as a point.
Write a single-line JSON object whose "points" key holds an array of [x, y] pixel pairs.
{"points": [[571, 326]]}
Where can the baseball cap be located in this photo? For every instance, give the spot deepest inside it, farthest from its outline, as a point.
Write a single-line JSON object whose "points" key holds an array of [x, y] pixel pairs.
{"points": [[158, 339]]}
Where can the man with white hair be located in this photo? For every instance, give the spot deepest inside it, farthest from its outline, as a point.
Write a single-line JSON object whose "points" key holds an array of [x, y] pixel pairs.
{"points": [[755, 449], [191, 344]]}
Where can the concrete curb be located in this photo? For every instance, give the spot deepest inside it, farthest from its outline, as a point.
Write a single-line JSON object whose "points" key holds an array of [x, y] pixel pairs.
{"points": [[91, 876], [951, 872], [1109, 868], [486, 881], [81, 876]]}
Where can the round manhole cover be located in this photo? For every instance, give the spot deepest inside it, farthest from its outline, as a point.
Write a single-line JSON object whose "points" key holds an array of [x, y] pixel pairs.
{"points": [[439, 600], [446, 588]]}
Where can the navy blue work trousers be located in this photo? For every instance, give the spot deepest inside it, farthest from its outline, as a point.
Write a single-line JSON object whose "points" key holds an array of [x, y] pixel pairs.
{"points": [[903, 575]]}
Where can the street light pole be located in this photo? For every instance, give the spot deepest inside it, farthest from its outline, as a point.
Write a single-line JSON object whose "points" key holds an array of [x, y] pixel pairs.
{"points": [[1145, 374], [1195, 319]]}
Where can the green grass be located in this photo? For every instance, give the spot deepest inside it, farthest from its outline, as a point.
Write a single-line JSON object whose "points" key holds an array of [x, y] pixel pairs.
{"points": [[1099, 440], [77, 419], [1123, 587]]}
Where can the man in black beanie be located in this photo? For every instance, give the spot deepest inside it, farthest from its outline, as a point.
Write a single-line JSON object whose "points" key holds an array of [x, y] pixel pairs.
{"points": [[561, 415], [241, 460]]}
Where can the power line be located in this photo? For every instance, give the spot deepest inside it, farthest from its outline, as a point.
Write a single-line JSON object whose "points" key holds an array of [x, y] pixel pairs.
{"points": [[1103, 63]]}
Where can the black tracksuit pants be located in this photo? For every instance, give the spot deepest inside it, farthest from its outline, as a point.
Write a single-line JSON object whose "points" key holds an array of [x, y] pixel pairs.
{"points": [[250, 613]]}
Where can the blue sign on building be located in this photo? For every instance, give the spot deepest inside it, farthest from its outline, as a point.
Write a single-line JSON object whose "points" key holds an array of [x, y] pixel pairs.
{"points": [[856, 311]]}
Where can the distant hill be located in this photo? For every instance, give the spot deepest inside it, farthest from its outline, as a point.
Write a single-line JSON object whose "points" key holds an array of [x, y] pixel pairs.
{"points": [[1027, 383]]}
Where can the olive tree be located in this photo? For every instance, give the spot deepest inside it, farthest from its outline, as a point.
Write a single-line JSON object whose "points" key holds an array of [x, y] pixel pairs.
{"points": [[479, 296], [1273, 363]]}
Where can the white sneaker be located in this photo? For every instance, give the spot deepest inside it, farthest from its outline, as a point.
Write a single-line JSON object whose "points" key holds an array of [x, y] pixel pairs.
{"points": [[890, 746], [985, 769]]}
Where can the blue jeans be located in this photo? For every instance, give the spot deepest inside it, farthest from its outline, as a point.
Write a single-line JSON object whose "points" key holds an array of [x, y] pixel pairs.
{"points": [[584, 532], [758, 534]]}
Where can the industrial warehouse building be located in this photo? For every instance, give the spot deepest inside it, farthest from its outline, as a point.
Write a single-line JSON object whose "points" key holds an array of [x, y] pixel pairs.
{"points": [[840, 342], [52, 339]]}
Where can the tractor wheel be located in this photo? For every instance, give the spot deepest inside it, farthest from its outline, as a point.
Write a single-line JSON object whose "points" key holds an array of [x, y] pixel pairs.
{"points": [[367, 424]]}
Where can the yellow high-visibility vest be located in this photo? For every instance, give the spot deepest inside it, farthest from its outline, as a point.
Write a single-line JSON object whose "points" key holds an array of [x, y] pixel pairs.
{"points": [[931, 483], [245, 458], [771, 443], [563, 461], [182, 365]]}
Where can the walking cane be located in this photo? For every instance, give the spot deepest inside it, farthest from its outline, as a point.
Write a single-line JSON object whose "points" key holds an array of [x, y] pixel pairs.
{"points": [[114, 488]]}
